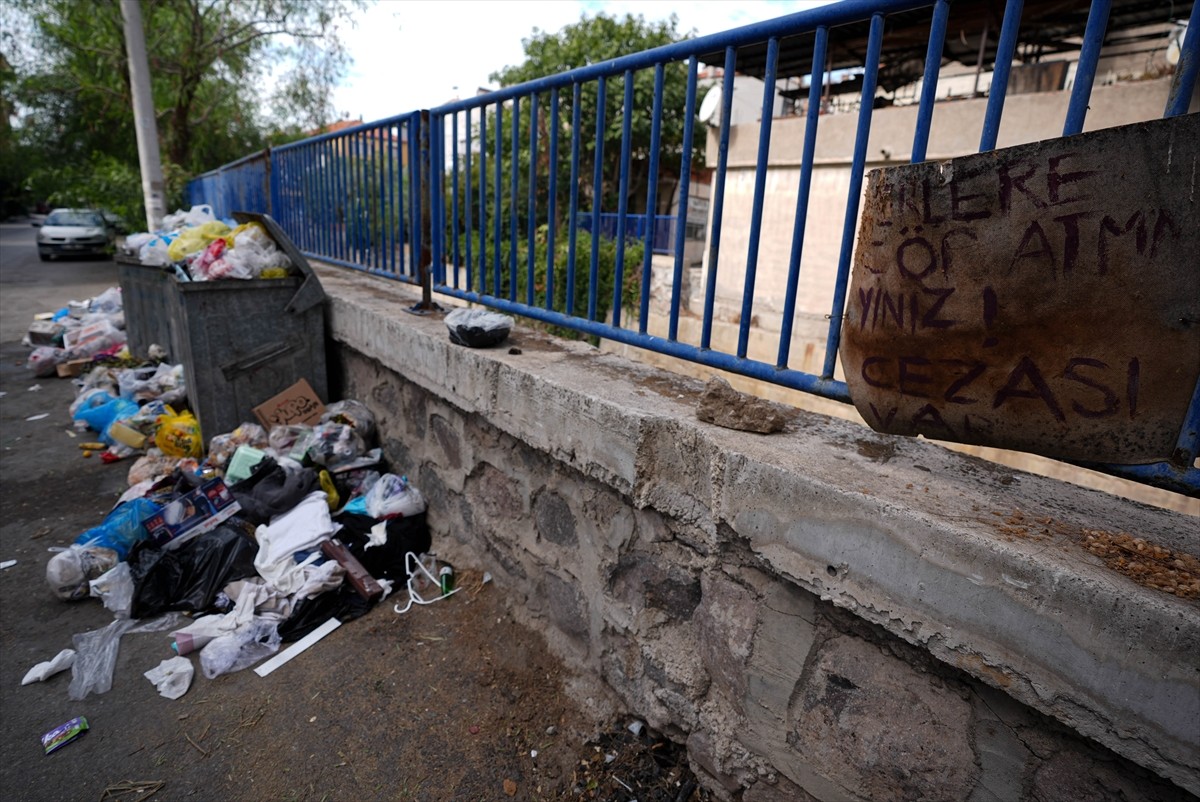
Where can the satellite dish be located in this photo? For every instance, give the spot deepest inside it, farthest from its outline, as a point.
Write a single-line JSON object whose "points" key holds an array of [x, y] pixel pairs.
{"points": [[710, 107]]}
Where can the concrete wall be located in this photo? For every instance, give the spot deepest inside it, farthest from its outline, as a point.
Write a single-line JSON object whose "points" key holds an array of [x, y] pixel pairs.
{"points": [[824, 613]]}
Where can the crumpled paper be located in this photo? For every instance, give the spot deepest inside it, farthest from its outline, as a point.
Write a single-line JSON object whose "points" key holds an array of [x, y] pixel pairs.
{"points": [[172, 677], [60, 662]]}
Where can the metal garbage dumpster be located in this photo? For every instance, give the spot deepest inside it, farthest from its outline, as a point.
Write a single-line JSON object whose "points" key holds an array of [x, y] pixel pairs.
{"points": [[148, 296], [243, 341]]}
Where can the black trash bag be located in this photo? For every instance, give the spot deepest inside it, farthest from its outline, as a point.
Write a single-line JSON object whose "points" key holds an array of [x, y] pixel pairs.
{"points": [[478, 328], [189, 577], [269, 490], [342, 603], [386, 561]]}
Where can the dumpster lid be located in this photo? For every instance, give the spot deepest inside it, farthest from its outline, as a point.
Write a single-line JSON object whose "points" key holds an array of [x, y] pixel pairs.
{"points": [[310, 292]]}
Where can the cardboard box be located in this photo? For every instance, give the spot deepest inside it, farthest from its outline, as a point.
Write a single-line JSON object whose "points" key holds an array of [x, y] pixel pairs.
{"points": [[72, 368], [46, 332], [195, 513], [296, 404]]}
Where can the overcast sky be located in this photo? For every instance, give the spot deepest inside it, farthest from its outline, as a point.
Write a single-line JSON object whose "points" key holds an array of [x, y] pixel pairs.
{"points": [[411, 54]]}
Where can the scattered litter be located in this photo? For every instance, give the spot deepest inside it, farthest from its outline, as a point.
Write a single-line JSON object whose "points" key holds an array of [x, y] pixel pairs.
{"points": [[533, 754], [636, 727], [414, 578], [44, 670], [133, 790], [7, 564], [38, 416], [35, 388], [510, 787], [172, 677], [63, 734], [97, 653], [297, 647]]}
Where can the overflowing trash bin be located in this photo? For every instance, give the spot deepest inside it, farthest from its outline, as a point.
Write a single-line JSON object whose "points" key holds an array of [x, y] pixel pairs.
{"points": [[239, 308]]}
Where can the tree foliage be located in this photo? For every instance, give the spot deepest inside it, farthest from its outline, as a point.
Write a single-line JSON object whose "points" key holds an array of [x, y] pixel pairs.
{"points": [[595, 40], [211, 63]]}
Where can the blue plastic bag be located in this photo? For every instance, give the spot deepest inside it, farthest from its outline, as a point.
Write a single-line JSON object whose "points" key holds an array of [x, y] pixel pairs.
{"points": [[122, 528], [101, 409]]}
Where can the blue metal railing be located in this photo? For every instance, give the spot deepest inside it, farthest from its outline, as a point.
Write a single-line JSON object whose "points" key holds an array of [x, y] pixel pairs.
{"points": [[515, 183], [243, 185], [662, 228], [350, 197]]}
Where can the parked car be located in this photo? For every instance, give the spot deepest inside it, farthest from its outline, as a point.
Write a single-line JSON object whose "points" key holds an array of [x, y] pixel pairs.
{"points": [[73, 232]]}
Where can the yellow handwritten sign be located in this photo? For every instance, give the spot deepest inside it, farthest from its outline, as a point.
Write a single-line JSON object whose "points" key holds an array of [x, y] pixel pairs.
{"points": [[1044, 298]]}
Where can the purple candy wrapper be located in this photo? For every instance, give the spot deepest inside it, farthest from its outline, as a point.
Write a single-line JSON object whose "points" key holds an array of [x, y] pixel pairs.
{"points": [[63, 734]]}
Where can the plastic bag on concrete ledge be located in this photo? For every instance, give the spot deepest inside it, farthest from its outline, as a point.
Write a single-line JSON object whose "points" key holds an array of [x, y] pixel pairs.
{"points": [[478, 328]]}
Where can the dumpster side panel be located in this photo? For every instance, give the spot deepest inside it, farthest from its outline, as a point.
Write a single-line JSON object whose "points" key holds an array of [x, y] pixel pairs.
{"points": [[147, 295], [241, 346]]}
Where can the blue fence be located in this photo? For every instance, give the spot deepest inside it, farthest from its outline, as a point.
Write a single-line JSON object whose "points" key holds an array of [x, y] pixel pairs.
{"points": [[241, 186], [496, 194], [661, 237]]}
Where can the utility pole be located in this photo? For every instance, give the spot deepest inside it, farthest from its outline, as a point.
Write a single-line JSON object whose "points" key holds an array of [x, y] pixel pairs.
{"points": [[153, 190]]}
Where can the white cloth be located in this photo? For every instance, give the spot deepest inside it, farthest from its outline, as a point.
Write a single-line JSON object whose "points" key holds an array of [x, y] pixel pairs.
{"points": [[303, 528]]}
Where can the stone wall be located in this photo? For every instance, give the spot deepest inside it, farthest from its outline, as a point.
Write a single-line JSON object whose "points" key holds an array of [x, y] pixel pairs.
{"points": [[822, 613]]}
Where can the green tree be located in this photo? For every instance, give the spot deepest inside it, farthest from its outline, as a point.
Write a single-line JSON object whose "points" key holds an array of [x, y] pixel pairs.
{"points": [[591, 41], [209, 62]]}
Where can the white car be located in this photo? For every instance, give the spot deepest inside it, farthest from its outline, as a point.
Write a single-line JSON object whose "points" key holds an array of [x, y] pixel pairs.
{"points": [[73, 232]]}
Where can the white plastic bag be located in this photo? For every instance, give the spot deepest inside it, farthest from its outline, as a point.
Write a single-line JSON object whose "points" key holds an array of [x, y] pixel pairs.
{"points": [[392, 496], [107, 302], [69, 572], [154, 252], [115, 588], [96, 653], [44, 670], [241, 648], [172, 677], [44, 360]]}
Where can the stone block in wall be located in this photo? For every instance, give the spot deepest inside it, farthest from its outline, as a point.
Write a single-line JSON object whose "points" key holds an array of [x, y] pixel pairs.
{"points": [[871, 723]]}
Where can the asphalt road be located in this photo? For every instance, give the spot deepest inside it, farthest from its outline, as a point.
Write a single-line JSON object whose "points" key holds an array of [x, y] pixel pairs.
{"points": [[29, 285]]}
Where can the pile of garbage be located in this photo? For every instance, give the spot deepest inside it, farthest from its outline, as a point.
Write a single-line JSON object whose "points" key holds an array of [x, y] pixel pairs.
{"points": [[203, 248], [66, 342], [238, 544]]}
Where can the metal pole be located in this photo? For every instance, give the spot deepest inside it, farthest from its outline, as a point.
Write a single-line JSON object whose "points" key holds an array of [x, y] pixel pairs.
{"points": [[153, 189]]}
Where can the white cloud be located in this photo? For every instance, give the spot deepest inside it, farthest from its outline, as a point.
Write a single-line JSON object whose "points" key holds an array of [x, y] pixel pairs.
{"points": [[415, 54]]}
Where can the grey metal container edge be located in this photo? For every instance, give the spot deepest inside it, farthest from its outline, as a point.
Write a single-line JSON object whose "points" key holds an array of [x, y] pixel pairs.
{"points": [[147, 294], [243, 341]]}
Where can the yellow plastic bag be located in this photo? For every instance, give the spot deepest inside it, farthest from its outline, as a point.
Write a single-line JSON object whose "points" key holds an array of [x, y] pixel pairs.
{"points": [[179, 435], [194, 239]]}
